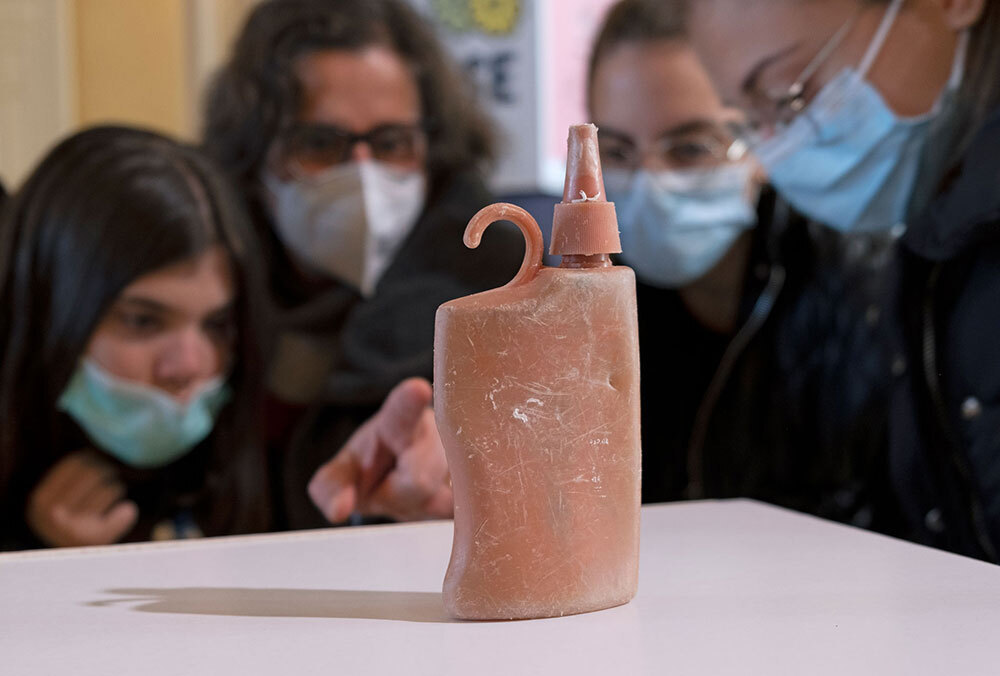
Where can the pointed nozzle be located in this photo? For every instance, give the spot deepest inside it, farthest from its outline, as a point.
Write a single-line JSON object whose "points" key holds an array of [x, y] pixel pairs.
{"points": [[584, 180], [584, 222]]}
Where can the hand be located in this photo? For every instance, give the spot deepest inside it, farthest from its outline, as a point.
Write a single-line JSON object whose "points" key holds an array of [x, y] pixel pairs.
{"points": [[79, 502], [394, 465]]}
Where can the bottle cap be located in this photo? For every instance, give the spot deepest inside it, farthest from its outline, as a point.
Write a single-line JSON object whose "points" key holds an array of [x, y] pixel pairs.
{"points": [[584, 222]]}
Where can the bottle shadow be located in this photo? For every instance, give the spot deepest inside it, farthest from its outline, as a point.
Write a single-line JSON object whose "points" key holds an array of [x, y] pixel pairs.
{"points": [[250, 602]]}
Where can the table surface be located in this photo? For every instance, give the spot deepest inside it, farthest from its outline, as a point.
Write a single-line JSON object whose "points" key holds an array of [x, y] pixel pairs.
{"points": [[725, 587]]}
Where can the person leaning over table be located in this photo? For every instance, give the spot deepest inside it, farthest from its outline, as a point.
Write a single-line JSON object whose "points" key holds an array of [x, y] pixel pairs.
{"points": [[756, 327], [131, 345], [360, 149], [879, 115], [762, 373]]}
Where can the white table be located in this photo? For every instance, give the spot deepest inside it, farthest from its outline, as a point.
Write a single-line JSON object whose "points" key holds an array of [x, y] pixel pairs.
{"points": [[726, 587]]}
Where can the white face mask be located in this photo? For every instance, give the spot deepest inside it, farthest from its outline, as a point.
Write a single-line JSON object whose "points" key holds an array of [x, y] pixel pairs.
{"points": [[676, 225], [349, 221]]}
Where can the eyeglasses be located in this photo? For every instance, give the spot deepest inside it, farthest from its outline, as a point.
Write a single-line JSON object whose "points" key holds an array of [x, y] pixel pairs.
{"points": [[311, 148], [705, 147], [771, 111]]}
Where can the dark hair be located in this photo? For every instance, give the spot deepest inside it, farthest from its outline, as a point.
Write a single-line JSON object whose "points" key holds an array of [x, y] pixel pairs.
{"points": [[256, 95], [979, 94], [637, 22], [103, 208]]}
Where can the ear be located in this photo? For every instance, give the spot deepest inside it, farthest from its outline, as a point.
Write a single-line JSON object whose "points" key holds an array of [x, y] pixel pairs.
{"points": [[962, 14]]}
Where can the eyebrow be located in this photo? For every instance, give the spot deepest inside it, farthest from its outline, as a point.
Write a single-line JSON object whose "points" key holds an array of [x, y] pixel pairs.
{"points": [[702, 124], [146, 303], [228, 308], [156, 306], [749, 84], [689, 127], [618, 134], [321, 127]]}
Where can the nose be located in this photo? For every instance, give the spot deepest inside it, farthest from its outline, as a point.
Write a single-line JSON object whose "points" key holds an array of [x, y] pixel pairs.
{"points": [[188, 360], [361, 151], [653, 161]]}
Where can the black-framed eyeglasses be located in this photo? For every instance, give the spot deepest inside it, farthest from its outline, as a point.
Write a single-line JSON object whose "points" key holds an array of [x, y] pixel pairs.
{"points": [[701, 147], [314, 147]]}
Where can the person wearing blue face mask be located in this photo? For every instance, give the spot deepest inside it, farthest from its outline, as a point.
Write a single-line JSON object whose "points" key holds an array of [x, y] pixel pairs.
{"points": [[748, 336], [131, 341], [884, 116]]}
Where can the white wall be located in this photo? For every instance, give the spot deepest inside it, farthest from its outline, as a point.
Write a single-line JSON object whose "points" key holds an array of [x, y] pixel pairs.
{"points": [[71, 63], [36, 82]]}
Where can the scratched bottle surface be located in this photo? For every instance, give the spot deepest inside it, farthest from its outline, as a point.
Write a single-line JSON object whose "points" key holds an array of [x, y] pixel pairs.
{"points": [[537, 403]]}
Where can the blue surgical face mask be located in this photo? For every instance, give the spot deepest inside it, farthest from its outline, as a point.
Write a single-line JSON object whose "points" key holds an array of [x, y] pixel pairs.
{"points": [[142, 426], [848, 160], [676, 225]]}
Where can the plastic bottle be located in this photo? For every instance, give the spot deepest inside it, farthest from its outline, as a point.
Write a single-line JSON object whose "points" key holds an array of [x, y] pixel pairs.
{"points": [[536, 389]]}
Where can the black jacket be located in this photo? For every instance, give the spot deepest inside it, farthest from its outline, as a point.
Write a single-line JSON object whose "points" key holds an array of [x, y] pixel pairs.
{"points": [[380, 341], [945, 414], [173, 501], [789, 409]]}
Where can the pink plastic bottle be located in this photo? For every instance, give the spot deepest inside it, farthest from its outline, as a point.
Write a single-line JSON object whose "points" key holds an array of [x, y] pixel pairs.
{"points": [[536, 389]]}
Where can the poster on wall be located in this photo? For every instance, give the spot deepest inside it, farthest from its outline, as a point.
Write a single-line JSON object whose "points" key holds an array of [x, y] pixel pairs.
{"points": [[528, 61]]}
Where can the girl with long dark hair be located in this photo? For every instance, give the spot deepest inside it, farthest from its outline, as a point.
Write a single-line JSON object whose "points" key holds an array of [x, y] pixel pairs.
{"points": [[130, 349]]}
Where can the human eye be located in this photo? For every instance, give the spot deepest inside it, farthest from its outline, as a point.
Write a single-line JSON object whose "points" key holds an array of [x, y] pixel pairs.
{"points": [[693, 152], [320, 142], [316, 147], [616, 154], [394, 143], [221, 326], [140, 323]]}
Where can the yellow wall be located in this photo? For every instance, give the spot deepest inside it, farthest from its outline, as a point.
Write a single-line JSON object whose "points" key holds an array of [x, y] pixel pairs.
{"points": [[65, 64], [132, 63]]}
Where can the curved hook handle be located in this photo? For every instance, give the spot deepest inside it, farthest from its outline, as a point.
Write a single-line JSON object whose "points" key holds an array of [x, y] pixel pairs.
{"points": [[534, 244]]}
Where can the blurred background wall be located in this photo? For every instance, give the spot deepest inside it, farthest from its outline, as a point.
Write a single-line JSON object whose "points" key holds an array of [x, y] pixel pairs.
{"points": [[71, 63]]}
